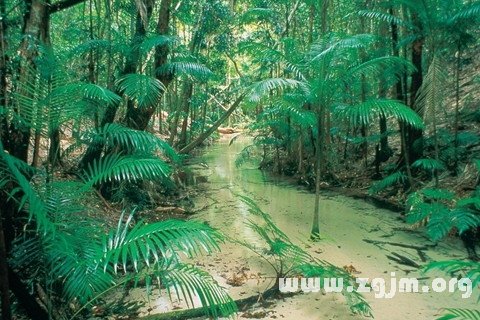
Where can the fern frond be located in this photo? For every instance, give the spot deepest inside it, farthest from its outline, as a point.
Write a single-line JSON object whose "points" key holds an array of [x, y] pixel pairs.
{"points": [[438, 194], [464, 220], [440, 223], [422, 211], [470, 269]]}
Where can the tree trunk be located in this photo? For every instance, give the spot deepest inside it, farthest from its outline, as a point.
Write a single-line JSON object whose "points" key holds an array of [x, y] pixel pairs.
{"points": [[3, 75], [35, 32], [139, 118], [4, 285], [94, 150], [192, 145], [187, 93], [414, 136], [320, 142]]}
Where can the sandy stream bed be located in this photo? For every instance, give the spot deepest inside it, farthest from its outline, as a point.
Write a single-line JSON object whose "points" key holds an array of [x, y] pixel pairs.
{"points": [[356, 234]]}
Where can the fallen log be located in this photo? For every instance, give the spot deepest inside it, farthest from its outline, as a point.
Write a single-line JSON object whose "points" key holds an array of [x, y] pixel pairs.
{"points": [[176, 210], [242, 304]]}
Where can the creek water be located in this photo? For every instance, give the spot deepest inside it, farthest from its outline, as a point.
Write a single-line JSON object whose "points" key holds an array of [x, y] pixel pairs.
{"points": [[356, 234]]}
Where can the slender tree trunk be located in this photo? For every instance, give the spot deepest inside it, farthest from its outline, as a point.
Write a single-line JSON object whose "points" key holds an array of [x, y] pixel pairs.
{"points": [[414, 135], [320, 142], [192, 145], [187, 93], [4, 136], [139, 118], [457, 108], [35, 32], [4, 283], [95, 149]]}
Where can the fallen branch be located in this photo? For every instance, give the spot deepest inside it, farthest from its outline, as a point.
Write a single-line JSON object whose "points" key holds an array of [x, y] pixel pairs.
{"points": [[403, 260], [242, 304], [408, 246]]}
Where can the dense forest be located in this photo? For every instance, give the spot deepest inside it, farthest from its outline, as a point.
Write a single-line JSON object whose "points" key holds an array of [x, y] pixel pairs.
{"points": [[108, 109]]}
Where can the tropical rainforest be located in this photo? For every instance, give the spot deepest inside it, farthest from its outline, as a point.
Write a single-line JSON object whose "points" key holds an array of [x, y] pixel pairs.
{"points": [[178, 159]]}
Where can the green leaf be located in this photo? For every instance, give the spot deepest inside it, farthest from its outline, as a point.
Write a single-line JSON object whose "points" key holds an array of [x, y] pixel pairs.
{"points": [[428, 164], [369, 111], [388, 181], [144, 90]]}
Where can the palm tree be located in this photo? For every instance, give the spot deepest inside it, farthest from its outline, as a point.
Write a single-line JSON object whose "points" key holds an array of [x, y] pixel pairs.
{"points": [[74, 256], [325, 86]]}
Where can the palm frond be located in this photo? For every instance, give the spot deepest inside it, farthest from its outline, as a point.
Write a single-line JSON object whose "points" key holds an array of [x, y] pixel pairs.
{"points": [[337, 46], [114, 134], [430, 95], [192, 69], [36, 207], [460, 314], [428, 164], [376, 67], [385, 17], [189, 283], [471, 11], [388, 181], [152, 42], [115, 167], [149, 243], [262, 88], [371, 110], [144, 90]]}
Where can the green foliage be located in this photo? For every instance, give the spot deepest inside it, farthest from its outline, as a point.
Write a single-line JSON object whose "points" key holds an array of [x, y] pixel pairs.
{"points": [[191, 69], [365, 113], [460, 314], [115, 167], [389, 181], [70, 250], [147, 244], [428, 164], [436, 208], [145, 91], [264, 87], [130, 140]]}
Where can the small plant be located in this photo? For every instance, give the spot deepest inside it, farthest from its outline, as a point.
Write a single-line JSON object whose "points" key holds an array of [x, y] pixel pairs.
{"points": [[289, 260], [441, 212]]}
